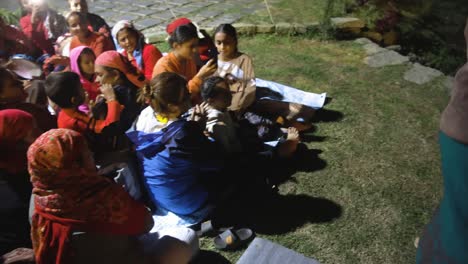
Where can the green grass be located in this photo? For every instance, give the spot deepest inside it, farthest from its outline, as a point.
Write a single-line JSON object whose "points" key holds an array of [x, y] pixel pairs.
{"points": [[293, 11], [382, 158]]}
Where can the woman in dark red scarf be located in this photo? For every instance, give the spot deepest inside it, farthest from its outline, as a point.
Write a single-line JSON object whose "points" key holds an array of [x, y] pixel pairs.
{"points": [[16, 134], [70, 196]]}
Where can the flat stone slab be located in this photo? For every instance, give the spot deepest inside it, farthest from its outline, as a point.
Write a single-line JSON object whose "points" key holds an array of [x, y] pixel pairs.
{"points": [[373, 48], [420, 74], [147, 22], [385, 58], [347, 22], [394, 47], [262, 251], [363, 41], [265, 28], [208, 13]]}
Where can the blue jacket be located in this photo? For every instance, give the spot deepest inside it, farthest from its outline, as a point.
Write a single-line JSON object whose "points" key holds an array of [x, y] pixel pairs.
{"points": [[173, 162]]}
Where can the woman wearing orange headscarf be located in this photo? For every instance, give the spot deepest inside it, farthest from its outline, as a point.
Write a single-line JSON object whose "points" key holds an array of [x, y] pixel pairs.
{"points": [[70, 196]]}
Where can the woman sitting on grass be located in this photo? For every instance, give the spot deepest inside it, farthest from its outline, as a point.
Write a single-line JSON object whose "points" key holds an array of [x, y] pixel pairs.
{"points": [[265, 97], [184, 44], [131, 43], [69, 197], [112, 68], [176, 159], [17, 132]]}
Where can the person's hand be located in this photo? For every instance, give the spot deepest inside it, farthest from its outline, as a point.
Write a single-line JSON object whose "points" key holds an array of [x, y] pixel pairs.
{"points": [[60, 60], [108, 92], [199, 114], [208, 69], [26, 85]]}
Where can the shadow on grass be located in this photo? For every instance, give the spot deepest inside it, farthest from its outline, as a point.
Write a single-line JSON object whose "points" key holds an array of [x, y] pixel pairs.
{"points": [[311, 138], [304, 160], [255, 204], [205, 256], [276, 214], [326, 115]]}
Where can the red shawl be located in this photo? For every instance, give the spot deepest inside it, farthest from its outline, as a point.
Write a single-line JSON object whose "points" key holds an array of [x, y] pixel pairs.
{"points": [[70, 196]]}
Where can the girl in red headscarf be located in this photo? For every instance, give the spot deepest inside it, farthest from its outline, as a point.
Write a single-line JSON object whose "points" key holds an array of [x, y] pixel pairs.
{"points": [[70, 196], [112, 68]]}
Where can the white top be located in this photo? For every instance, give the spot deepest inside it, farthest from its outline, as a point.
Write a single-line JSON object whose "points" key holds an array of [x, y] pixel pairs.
{"points": [[148, 123]]}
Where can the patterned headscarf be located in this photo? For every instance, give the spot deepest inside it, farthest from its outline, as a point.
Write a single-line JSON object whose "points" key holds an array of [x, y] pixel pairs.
{"points": [[69, 194]]}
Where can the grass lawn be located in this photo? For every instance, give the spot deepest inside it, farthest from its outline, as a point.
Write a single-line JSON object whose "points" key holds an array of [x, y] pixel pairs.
{"points": [[293, 11], [370, 181]]}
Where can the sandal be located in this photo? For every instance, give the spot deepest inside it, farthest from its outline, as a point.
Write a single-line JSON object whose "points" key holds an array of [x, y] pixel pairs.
{"points": [[207, 229], [233, 238]]}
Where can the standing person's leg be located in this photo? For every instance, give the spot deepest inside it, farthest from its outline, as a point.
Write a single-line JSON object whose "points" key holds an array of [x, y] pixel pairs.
{"points": [[445, 239]]}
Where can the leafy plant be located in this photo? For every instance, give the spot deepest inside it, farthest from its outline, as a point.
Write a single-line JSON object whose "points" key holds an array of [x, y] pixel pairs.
{"points": [[10, 18]]}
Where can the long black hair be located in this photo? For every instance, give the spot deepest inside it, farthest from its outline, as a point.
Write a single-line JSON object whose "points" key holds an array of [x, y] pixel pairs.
{"points": [[183, 34], [227, 29]]}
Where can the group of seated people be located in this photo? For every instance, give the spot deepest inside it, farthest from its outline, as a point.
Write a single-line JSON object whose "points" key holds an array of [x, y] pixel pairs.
{"points": [[114, 135]]}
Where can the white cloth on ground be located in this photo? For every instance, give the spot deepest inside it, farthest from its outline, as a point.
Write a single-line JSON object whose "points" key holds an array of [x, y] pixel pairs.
{"points": [[293, 95], [183, 234]]}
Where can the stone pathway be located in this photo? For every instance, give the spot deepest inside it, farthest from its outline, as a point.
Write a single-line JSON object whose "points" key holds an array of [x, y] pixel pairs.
{"points": [[154, 15], [416, 73]]}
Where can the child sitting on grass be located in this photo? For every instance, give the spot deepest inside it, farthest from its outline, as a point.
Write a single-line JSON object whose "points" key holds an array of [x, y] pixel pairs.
{"points": [[224, 130], [219, 125], [263, 97], [65, 90], [176, 159], [82, 61]]}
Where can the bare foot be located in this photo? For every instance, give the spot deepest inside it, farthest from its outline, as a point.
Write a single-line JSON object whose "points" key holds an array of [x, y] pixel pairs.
{"points": [[289, 146], [300, 126]]}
